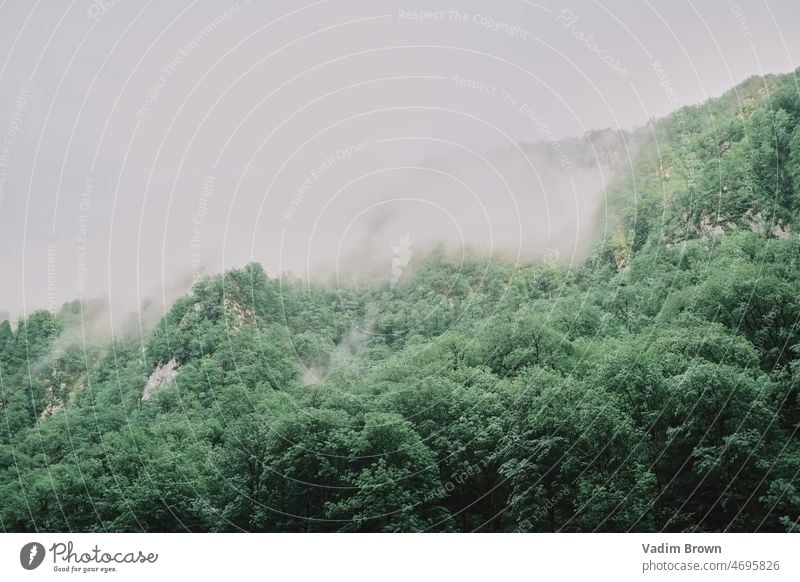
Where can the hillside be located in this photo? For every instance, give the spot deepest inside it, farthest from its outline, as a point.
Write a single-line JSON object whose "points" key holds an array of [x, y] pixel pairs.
{"points": [[651, 387]]}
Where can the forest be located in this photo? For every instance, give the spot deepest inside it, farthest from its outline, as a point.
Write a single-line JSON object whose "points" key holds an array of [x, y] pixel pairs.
{"points": [[652, 386]]}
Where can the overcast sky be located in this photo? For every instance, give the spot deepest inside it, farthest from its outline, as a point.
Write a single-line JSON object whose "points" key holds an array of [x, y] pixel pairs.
{"points": [[146, 143]]}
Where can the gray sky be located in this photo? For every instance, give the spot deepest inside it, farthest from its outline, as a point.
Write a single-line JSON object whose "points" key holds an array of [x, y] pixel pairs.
{"points": [[143, 144]]}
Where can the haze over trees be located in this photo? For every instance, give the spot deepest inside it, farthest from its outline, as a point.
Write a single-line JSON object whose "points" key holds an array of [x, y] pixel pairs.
{"points": [[651, 387]]}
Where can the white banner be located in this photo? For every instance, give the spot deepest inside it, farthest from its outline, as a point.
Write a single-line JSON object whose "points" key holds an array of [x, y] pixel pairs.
{"points": [[386, 557]]}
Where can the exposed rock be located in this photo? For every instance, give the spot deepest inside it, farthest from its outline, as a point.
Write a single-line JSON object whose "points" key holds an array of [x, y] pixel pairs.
{"points": [[755, 221], [236, 314], [161, 376], [781, 231], [54, 402]]}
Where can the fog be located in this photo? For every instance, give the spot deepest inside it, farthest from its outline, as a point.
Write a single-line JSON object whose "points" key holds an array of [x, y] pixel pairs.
{"points": [[145, 146]]}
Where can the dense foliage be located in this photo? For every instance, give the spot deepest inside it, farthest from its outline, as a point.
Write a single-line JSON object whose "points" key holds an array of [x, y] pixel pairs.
{"points": [[652, 387]]}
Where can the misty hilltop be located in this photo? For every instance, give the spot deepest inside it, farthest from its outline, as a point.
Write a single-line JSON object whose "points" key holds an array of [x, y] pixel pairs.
{"points": [[645, 383]]}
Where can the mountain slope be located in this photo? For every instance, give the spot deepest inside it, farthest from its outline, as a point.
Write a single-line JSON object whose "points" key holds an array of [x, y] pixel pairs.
{"points": [[652, 387]]}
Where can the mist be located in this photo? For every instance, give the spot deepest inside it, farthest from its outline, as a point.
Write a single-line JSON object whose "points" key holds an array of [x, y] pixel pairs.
{"points": [[148, 147], [524, 203]]}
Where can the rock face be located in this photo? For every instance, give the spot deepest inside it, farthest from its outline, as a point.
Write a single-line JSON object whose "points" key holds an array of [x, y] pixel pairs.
{"points": [[54, 404], [161, 376]]}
